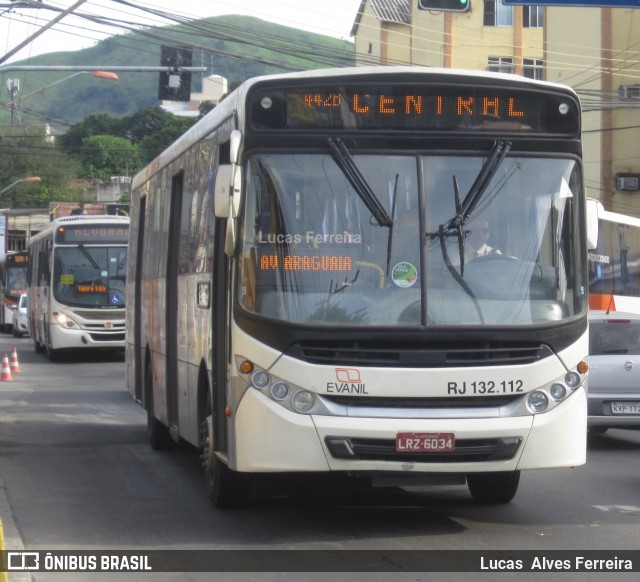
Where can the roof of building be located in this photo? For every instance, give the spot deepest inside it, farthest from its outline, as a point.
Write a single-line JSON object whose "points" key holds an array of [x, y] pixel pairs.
{"points": [[386, 11]]}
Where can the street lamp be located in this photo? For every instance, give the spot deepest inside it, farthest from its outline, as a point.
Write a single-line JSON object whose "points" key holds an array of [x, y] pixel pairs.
{"points": [[14, 86], [29, 179]]}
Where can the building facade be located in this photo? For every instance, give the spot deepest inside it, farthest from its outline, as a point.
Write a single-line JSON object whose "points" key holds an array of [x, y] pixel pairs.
{"points": [[594, 50]]}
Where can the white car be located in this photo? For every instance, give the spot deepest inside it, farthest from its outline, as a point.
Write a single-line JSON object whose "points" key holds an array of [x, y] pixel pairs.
{"points": [[19, 317], [614, 371]]}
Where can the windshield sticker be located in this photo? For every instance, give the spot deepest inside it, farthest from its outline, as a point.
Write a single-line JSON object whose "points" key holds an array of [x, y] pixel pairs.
{"points": [[66, 279], [404, 275]]}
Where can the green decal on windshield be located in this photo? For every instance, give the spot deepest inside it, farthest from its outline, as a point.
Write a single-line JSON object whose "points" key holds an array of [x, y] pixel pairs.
{"points": [[404, 274]]}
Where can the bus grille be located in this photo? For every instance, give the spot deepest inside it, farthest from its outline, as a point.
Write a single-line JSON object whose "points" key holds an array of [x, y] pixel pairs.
{"points": [[391, 402], [100, 315], [412, 355], [107, 337], [466, 451]]}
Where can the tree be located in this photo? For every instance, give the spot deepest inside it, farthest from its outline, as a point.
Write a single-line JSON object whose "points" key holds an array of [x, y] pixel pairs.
{"points": [[28, 151], [154, 143], [103, 156], [97, 124]]}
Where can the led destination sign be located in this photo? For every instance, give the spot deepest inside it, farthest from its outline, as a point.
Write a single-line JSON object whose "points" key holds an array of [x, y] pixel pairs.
{"points": [[94, 234], [425, 108], [17, 259], [289, 262]]}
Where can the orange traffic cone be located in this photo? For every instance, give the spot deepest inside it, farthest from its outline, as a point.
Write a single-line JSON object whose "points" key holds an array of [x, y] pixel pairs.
{"points": [[5, 376], [15, 366]]}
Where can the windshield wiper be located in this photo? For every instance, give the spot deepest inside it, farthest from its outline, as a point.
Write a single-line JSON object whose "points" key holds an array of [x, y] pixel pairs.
{"points": [[345, 162], [464, 208], [393, 218], [86, 253]]}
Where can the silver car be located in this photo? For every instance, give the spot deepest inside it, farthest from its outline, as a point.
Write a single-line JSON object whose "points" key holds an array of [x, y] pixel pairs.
{"points": [[19, 317], [614, 371]]}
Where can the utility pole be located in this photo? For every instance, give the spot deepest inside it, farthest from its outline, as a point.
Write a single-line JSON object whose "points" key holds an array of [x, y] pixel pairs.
{"points": [[13, 86]]}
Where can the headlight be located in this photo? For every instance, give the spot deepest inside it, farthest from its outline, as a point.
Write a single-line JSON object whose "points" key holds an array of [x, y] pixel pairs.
{"points": [[64, 320], [287, 395], [572, 379], [303, 401], [260, 379], [558, 391], [537, 401], [280, 390]]}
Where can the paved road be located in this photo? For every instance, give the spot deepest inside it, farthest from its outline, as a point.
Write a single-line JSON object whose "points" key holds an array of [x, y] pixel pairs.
{"points": [[76, 473]]}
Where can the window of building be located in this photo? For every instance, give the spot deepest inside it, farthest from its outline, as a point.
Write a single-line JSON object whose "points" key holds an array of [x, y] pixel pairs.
{"points": [[500, 65], [533, 16], [533, 68], [497, 14]]}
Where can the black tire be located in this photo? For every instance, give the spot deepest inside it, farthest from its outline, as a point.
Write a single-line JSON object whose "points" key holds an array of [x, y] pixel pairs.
{"points": [[500, 487], [225, 488], [37, 346], [53, 355], [157, 433]]}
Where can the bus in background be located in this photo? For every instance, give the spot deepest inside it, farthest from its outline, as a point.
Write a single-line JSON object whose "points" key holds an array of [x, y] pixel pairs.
{"points": [[77, 270], [614, 263], [302, 295], [13, 283]]}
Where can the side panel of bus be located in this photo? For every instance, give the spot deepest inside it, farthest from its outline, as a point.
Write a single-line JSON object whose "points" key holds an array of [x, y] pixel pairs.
{"points": [[170, 347], [39, 274]]}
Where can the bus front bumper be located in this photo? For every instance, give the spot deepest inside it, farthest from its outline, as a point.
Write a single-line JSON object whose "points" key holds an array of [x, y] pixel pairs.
{"points": [[269, 438], [70, 338]]}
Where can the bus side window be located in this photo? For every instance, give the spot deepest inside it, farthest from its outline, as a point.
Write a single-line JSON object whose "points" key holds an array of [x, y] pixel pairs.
{"points": [[43, 266]]}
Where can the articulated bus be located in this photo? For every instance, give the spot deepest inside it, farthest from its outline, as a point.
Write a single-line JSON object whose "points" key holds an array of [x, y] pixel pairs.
{"points": [[77, 273], [13, 283], [614, 263], [302, 295]]}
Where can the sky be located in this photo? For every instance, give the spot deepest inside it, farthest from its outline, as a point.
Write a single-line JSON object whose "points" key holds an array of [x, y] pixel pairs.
{"points": [[330, 17]]}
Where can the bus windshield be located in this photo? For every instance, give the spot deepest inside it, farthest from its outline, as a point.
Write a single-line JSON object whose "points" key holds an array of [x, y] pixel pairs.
{"points": [[90, 276], [16, 281], [313, 253]]}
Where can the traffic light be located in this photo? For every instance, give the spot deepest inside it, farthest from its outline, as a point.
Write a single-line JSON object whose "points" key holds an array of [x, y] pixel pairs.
{"points": [[175, 85], [445, 5]]}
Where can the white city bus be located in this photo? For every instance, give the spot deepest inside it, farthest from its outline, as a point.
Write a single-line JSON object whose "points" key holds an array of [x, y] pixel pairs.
{"points": [[77, 272], [614, 264], [302, 296], [13, 283]]}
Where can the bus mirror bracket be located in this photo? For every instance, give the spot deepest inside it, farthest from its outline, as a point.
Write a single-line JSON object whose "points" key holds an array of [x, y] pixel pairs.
{"points": [[230, 238], [234, 145], [592, 223], [236, 185]]}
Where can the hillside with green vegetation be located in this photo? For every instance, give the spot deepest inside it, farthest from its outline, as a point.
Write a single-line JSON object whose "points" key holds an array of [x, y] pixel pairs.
{"points": [[235, 47]]}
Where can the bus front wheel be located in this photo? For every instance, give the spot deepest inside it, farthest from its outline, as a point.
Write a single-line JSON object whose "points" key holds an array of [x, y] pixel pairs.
{"points": [[499, 487], [226, 488]]}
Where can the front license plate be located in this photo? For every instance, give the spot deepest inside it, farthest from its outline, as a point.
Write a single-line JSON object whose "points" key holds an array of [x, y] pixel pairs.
{"points": [[425, 442], [625, 407]]}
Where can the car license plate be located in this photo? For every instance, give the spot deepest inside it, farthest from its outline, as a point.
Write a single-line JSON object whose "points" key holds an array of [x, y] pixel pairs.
{"points": [[625, 407], [425, 442]]}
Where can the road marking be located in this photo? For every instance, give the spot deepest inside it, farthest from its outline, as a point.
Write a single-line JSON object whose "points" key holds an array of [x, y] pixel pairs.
{"points": [[619, 508]]}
